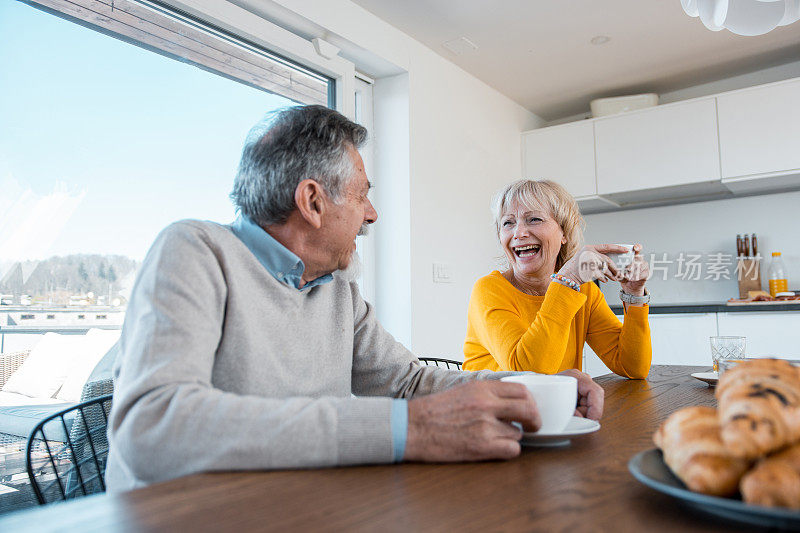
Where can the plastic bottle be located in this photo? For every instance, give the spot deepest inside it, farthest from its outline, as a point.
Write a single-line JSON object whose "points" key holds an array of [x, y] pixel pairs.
{"points": [[777, 275]]}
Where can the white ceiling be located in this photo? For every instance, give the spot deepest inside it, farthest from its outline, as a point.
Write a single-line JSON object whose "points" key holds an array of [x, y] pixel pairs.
{"points": [[538, 52]]}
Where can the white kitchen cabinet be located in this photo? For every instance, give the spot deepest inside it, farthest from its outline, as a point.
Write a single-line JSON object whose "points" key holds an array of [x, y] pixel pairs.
{"points": [[759, 133], [740, 142], [564, 154], [668, 148], [682, 339], [677, 339], [768, 334]]}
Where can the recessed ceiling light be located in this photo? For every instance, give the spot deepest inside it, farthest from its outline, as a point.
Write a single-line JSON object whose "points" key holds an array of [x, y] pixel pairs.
{"points": [[600, 39], [459, 46]]}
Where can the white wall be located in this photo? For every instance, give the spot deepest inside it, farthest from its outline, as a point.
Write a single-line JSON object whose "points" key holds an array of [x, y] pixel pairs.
{"points": [[705, 227], [463, 144]]}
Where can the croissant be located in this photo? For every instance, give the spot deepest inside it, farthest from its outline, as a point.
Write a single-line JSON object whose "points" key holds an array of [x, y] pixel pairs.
{"points": [[775, 481], [759, 407], [694, 451]]}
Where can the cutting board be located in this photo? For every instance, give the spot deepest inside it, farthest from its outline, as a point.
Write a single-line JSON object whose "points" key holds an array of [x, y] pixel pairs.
{"points": [[777, 302]]}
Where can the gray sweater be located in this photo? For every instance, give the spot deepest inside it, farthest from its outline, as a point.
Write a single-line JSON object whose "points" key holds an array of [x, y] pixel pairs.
{"points": [[222, 367]]}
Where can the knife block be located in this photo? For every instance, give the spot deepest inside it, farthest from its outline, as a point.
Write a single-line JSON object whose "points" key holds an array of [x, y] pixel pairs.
{"points": [[748, 272]]}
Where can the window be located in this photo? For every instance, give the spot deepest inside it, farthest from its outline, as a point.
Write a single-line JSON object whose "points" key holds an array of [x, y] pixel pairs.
{"points": [[105, 143]]}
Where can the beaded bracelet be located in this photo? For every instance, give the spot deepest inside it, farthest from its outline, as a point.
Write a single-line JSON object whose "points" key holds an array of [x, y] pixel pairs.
{"points": [[572, 284]]}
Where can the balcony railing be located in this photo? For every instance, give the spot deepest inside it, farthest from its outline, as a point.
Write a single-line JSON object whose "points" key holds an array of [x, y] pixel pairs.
{"points": [[41, 330]]}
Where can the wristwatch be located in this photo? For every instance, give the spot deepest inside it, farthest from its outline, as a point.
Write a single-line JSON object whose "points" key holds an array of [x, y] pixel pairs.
{"points": [[631, 299]]}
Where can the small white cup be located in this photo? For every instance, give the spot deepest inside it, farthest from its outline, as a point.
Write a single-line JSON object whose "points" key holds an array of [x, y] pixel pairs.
{"points": [[556, 398], [623, 260]]}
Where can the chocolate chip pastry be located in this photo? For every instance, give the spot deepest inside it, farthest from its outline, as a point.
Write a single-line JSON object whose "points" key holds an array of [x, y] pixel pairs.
{"points": [[759, 407]]}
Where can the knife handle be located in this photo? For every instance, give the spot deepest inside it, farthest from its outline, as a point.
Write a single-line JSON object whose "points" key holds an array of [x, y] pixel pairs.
{"points": [[739, 250], [755, 245], [746, 245]]}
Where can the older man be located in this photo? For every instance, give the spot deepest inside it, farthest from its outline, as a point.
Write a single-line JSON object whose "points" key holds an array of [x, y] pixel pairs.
{"points": [[243, 344]]}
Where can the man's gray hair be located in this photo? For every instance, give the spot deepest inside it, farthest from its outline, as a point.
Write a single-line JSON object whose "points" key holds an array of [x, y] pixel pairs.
{"points": [[294, 144]]}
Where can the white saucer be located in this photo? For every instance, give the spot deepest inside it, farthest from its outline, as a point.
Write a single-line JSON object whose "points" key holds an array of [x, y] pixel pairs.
{"points": [[708, 377], [576, 427]]}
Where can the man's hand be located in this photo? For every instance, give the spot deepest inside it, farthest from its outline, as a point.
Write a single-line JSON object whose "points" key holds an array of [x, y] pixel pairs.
{"points": [[590, 395], [471, 422]]}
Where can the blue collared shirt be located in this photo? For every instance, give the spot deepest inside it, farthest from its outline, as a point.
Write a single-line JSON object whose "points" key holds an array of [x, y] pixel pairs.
{"points": [[287, 268], [279, 261]]}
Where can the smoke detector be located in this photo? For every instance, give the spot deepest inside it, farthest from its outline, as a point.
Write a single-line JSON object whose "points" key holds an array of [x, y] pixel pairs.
{"points": [[460, 46]]}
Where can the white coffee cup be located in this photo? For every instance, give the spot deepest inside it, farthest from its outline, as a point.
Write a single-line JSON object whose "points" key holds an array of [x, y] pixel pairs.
{"points": [[624, 259], [556, 398]]}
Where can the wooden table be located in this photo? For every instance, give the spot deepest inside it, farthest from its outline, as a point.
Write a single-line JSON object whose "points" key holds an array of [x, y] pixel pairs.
{"points": [[583, 487]]}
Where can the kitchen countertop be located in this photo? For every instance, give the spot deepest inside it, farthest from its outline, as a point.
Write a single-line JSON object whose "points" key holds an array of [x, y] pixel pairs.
{"points": [[715, 307]]}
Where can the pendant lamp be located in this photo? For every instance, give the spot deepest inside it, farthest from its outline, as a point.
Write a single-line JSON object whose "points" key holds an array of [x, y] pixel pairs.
{"points": [[743, 17]]}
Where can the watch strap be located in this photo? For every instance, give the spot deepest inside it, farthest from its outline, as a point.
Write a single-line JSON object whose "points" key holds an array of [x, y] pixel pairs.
{"points": [[632, 299]]}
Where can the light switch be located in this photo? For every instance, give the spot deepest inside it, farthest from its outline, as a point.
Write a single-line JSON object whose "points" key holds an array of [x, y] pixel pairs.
{"points": [[442, 273]]}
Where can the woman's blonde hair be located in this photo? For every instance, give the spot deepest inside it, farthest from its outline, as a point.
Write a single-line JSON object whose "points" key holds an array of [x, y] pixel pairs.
{"points": [[551, 196]]}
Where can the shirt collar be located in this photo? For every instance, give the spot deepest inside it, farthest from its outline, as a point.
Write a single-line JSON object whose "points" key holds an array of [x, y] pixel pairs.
{"points": [[279, 261]]}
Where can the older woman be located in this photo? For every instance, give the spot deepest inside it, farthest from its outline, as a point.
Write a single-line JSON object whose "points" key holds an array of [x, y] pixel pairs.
{"points": [[537, 314]]}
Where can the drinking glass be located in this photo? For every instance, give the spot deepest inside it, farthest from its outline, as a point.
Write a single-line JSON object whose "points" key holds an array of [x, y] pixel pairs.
{"points": [[726, 347]]}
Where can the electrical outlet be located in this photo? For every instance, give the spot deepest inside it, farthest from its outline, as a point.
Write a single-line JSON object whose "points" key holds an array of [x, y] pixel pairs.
{"points": [[442, 273]]}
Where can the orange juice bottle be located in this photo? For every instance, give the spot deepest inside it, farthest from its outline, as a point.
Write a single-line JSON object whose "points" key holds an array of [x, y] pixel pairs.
{"points": [[777, 275]]}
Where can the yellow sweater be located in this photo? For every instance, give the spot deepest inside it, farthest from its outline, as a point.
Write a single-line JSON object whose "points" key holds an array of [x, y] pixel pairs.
{"points": [[510, 330]]}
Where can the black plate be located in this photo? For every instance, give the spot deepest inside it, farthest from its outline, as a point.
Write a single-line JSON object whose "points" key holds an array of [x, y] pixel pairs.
{"points": [[649, 468]]}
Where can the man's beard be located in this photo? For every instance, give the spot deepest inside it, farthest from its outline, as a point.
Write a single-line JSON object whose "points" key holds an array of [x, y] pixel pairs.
{"points": [[364, 230]]}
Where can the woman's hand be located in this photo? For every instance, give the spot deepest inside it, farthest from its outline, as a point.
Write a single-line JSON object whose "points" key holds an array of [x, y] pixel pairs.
{"points": [[634, 276], [591, 263]]}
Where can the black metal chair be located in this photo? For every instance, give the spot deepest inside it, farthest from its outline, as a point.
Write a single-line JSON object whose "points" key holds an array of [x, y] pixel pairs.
{"points": [[67, 451], [437, 361]]}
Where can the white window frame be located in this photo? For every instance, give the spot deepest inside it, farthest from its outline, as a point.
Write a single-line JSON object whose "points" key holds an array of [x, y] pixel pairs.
{"points": [[366, 245], [251, 27]]}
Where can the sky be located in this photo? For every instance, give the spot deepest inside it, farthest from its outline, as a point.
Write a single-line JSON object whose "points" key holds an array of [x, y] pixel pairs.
{"points": [[102, 143]]}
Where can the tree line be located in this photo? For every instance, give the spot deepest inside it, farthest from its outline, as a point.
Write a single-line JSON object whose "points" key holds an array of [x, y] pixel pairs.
{"points": [[74, 274]]}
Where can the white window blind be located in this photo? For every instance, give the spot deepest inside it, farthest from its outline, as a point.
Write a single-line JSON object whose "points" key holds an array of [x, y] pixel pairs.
{"points": [[177, 35]]}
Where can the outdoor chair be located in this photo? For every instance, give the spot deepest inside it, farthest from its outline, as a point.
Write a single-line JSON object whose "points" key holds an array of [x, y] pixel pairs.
{"points": [[20, 413], [67, 452], [19, 417], [436, 361]]}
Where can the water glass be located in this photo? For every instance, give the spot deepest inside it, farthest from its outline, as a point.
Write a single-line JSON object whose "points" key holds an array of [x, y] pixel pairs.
{"points": [[726, 347]]}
